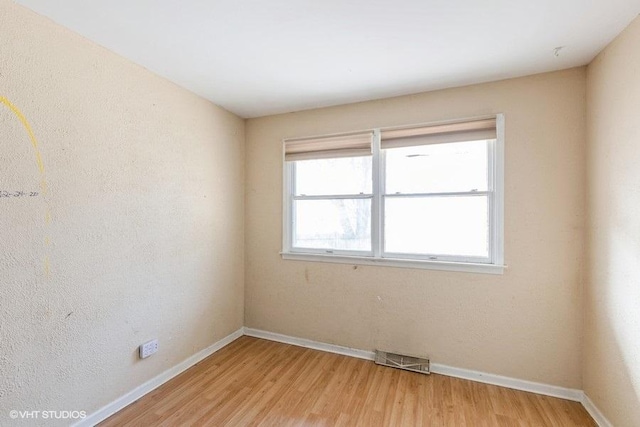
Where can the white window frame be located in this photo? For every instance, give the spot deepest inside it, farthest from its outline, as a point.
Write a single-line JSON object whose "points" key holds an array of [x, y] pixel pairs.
{"points": [[377, 256]]}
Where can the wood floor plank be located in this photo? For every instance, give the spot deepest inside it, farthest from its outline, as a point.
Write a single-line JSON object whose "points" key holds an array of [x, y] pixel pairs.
{"points": [[255, 382]]}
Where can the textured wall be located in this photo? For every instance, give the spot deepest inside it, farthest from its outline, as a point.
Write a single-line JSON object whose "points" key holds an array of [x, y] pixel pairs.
{"points": [[524, 324], [142, 223], [612, 307]]}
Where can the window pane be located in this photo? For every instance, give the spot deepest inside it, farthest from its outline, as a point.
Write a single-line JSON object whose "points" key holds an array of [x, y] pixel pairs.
{"points": [[437, 225], [345, 175], [333, 224], [437, 168]]}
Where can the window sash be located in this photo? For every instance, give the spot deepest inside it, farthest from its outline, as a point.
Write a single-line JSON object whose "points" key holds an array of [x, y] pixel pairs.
{"points": [[334, 251], [426, 256]]}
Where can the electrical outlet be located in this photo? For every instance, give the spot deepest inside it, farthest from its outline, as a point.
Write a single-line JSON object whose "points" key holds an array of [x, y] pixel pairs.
{"points": [[148, 348]]}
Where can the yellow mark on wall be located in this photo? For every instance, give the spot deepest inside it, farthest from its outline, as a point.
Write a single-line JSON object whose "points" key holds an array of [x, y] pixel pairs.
{"points": [[43, 181], [32, 138]]}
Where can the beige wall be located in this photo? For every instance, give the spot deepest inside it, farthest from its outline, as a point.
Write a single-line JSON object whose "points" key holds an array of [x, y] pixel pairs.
{"points": [[146, 232], [525, 324], [612, 307], [140, 234]]}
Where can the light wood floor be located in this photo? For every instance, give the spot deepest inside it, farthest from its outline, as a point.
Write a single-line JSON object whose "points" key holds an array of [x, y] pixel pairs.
{"points": [[257, 382]]}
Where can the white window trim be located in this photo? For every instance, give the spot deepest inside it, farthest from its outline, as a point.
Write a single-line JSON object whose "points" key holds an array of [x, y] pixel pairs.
{"points": [[377, 256]]}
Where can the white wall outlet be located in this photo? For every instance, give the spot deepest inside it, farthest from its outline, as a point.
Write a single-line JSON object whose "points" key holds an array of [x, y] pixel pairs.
{"points": [[148, 348]]}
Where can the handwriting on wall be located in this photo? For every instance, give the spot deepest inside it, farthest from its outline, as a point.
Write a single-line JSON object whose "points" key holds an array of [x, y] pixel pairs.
{"points": [[18, 193], [5, 194]]}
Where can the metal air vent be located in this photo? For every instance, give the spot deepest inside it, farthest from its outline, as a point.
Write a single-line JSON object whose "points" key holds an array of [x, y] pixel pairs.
{"points": [[402, 361]]}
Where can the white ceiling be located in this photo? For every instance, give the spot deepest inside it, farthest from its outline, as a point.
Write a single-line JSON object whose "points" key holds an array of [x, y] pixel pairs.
{"points": [[259, 57]]}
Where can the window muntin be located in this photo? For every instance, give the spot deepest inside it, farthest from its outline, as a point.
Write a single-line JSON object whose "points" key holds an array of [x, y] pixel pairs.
{"points": [[409, 214]]}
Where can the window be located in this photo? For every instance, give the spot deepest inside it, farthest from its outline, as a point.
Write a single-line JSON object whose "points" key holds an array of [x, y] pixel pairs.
{"points": [[423, 196]]}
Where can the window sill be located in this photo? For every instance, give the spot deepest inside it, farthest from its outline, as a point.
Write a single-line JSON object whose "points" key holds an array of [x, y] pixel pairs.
{"points": [[396, 262]]}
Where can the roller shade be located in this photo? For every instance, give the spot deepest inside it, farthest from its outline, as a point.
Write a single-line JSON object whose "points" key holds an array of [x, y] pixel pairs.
{"points": [[439, 134], [351, 145]]}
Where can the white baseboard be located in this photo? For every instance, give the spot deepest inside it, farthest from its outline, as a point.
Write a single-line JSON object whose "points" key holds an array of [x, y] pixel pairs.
{"points": [[436, 368], [135, 394], [595, 413], [301, 342], [508, 382]]}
